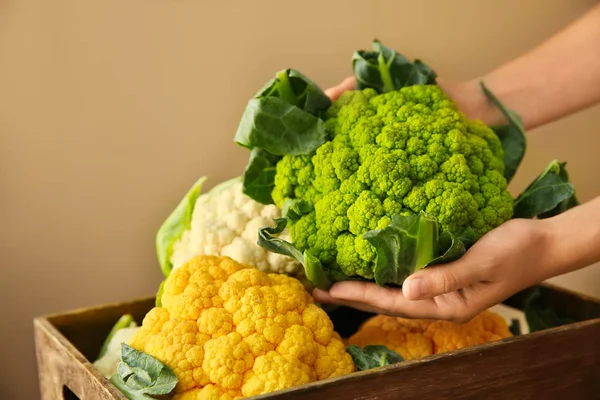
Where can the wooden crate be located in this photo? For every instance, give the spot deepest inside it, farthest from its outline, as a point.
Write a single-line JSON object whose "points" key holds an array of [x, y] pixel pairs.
{"points": [[557, 363]]}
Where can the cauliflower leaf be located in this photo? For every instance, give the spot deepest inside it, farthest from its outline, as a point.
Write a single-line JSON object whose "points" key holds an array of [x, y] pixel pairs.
{"points": [[259, 175], [173, 227], [373, 356], [410, 243], [512, 136], [284, 116], [288, 107], [313, 268], [141, 377], [542, 316], [385, 70], [549, 194]]}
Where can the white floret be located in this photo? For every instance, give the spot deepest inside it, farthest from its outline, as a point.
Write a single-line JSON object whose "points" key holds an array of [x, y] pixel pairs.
{"points": [[226, 222], [107, 364]]}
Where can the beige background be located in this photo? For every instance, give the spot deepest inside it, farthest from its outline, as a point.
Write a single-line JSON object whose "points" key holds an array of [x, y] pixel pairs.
{"points": [[110, 110]]}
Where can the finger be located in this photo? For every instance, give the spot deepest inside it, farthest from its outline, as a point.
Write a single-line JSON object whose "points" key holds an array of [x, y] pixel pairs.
{"points": [[359, 306], [336, 91], [440, 279], [483, 295], [324, 297], [382, 300]]}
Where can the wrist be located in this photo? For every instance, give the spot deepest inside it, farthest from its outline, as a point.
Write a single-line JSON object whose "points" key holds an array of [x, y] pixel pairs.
{"points": [[572, 239], [541, 256], [553, 261]]}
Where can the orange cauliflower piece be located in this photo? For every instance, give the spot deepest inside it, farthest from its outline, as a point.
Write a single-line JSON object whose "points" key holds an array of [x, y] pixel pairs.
{"points": [[414, 338], [228, 331]]}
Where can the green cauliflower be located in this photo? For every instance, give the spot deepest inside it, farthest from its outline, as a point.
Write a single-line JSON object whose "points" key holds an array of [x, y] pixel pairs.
{"points": [[400, 152], [388, 179]]}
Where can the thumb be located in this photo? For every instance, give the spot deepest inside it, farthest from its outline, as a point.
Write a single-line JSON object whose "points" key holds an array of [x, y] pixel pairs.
{"points": [[440, 279]]}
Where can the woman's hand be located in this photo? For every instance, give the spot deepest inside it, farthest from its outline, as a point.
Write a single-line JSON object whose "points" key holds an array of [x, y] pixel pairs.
{"points": [[504, 261], [335, 91], [517, 254], [467, 95]]}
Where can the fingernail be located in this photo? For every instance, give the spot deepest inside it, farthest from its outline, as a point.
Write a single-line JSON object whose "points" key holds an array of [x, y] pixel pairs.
{"points": [[415, 288]]}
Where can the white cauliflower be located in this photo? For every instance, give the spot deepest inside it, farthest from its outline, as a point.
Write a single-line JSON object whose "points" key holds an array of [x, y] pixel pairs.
{"points": [[226, 222], [107, 363]]}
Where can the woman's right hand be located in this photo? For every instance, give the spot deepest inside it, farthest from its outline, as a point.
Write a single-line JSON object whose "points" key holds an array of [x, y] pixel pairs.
{"points": [[467, 95], [335, 91]]}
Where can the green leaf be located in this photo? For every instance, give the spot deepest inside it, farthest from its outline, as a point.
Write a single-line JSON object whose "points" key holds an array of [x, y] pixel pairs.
{"points": [[173, 227], [297, 89], [161, 289], [280, 128], [452, 247], [468, 237], [540, 316], [566, 203], [512, 136], [294, 209], [372, 356], [276, 245], [410, 243], [142, 377], [284, 118], [126, 321], [549, 194], [515, 327], [406, 245], [385, 70], [259, 176]]}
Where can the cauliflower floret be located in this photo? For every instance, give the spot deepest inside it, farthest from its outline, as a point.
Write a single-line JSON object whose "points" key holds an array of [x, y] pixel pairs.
{"points": [[228, 331], [225, 222], [417, 338]]}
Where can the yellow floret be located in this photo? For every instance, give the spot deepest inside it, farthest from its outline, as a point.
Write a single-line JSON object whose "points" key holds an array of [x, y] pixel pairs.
{"points": [[229, 331], [414, 339]]}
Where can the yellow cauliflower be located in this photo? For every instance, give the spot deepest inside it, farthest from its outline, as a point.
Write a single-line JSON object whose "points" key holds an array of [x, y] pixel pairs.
{"points": [[228, 331], [414, 338]]}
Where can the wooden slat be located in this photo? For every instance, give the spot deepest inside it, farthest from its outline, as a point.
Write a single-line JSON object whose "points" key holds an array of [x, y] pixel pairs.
{"points": [[559, 363], [61, 365], [86, 328]]}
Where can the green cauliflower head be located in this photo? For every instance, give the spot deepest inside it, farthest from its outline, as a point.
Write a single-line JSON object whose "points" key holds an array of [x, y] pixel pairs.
{"points": [[400, 152]]}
